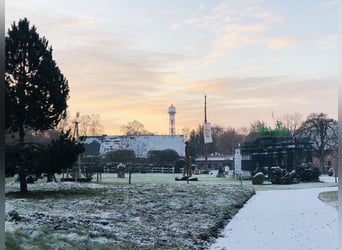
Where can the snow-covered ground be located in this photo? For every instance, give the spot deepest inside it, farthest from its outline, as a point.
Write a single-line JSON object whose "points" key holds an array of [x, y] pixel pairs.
{"points": [[326, 178], [272, 219], [70, 215], [282, 220]]}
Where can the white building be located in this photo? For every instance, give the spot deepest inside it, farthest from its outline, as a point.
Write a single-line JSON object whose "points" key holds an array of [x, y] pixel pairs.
{"points": [[141, 144]]}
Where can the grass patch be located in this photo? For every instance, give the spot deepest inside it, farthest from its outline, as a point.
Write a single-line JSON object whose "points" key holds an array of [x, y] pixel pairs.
{"points": [[157, 178], [35, 238], [154, 212], [138, 216], [56, 194], [330, 198]]}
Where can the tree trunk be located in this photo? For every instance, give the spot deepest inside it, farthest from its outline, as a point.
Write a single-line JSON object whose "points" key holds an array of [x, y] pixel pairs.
{"points": [[21, 134], [129, 176], [22, 162], [335, 171], [321, 163], [51, 178], [22, 179]]}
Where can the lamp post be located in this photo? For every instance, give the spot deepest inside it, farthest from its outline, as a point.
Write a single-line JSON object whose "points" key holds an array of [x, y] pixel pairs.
{"points": [[77, 167]]}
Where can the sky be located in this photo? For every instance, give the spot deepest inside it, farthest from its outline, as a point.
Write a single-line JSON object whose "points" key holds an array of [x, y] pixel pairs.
{"points": [[130, 60]]}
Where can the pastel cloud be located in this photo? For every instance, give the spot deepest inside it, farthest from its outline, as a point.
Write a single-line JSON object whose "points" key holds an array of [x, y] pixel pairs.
{"points": [[230, 31], [113, 73], [239, 35], [266, 15], [144, 93], [191, 21], [76, 22], [174, 26], [281, 43], [246, 99], [329, 41]]}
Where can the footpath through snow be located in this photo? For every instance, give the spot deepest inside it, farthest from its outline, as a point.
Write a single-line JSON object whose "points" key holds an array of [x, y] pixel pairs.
{"points": [[282, 220]]}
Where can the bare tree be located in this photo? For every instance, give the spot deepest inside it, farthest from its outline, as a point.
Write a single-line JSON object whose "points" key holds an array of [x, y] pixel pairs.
{"points": [[83, 125], [322, 132], [90, 125], [257, 125], [186, 132], [130, 149], [243, 131], [292, 121], [229, 141], [135, 128], [254, 130], [95, 126], [65, 124]]}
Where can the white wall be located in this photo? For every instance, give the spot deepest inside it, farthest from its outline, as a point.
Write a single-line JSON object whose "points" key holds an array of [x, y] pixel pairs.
{"points": [[140, 144]]}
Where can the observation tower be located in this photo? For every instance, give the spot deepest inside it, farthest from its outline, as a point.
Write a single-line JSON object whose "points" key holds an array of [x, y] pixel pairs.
{"points": [[172, 125]]}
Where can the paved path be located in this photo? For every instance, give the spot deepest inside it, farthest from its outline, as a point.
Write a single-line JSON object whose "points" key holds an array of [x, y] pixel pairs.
{"points": [[282, 220]]}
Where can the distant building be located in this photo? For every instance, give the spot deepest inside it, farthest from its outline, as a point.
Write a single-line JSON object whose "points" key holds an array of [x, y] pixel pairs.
{"points": [[215, 162], [141, 144], [286, 152]]}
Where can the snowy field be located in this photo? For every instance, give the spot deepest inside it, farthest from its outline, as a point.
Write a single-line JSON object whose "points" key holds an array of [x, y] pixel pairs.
{"points": [[156, 212], [148, 215], [282, 220]]}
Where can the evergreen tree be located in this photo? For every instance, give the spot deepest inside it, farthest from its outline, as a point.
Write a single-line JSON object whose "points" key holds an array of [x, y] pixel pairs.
{"points": [[61, 153], [35, 89]]}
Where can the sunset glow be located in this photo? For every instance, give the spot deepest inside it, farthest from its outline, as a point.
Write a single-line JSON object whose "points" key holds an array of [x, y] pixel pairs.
{"points": [[131, 59]]}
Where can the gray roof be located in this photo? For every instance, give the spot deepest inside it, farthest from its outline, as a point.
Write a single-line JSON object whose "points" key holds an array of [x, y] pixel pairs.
{"points": [[141, 144]]}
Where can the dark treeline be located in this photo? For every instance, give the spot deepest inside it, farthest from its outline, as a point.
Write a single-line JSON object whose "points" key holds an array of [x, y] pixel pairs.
{"points": [[225, 141], [318, 128]]}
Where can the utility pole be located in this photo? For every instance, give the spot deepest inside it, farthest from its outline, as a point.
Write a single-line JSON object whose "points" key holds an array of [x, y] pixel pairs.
{"points": [[205, 144]]}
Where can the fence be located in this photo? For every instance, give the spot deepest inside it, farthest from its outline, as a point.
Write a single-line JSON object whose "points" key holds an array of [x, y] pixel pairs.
{"points": [[162, 170], [143, 169]]}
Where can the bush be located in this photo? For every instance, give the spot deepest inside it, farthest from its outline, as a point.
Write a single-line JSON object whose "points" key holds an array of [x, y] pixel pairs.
{"points": [[307, 172], [179, 165]]}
